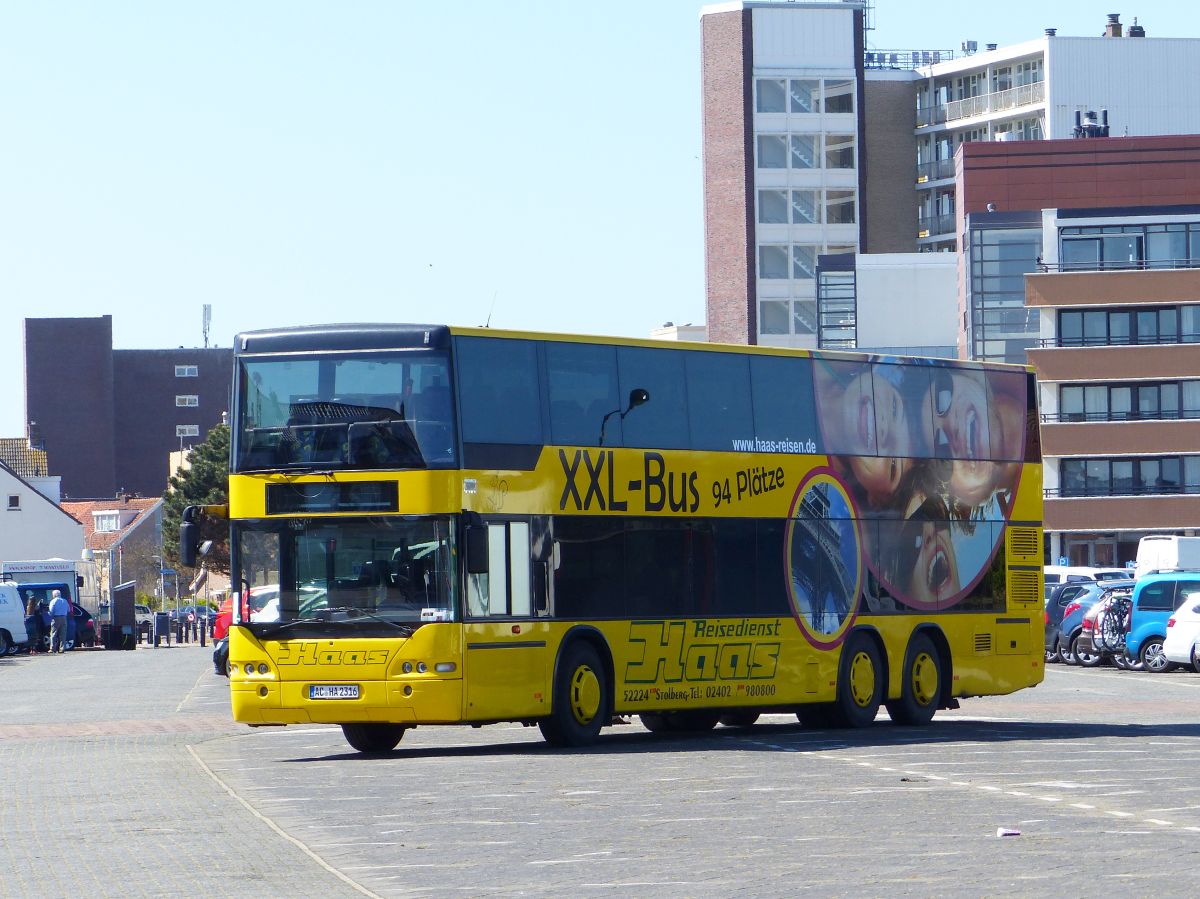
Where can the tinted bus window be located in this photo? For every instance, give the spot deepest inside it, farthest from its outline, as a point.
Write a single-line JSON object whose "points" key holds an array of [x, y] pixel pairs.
{"points": [[718, 388], [498, 391], [582, 381], [784, 417], [661, 422]]}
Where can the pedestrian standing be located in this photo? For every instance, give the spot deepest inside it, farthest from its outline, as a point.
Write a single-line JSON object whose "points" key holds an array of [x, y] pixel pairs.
{"points": [[59, 609], [33, 626]]}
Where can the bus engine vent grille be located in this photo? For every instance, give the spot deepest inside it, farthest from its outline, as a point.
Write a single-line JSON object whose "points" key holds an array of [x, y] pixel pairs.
{"points": [[983, 644], [1025, 542], [1024, 587]]}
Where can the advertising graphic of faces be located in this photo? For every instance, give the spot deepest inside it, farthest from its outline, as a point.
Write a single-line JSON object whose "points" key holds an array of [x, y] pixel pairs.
{"points": [[930, 455]]}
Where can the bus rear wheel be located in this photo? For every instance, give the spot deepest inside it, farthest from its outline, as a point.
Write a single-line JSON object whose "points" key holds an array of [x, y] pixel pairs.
{"points": [[921, 688], [681, 722], [739, 719], [373, 738], [860, 683], [580, 702]]}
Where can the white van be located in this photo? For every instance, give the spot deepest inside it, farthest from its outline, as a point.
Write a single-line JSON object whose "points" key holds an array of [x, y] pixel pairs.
{"points": [[1167, 552], [12, 620]]}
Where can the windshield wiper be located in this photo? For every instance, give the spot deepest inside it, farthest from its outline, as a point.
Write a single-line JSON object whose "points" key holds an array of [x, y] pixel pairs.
{"points": [[353, 616]]}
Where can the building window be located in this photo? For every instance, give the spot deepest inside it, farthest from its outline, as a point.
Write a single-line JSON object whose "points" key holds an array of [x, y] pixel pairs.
{"points": [[187, 371], [771, 95], [1174, 245], [839, 151], [187, 400], [1125, 327], [773, 261], [839, 96], [805, 151], [106, 522], [1130, 477], [1156, 401], [14, 502], [1029, 72], [772, 207], [804, 95], [772, 151], [187, 430], [773, 317], [839, 207]]}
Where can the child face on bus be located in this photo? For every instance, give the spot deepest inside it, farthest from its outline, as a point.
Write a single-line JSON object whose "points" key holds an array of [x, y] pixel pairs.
{"points": [[926, 562], [873, 420], [962, 429]]}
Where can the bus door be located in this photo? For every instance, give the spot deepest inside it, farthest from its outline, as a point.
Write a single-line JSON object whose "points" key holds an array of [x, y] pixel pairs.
{"points": [[508, 657]]}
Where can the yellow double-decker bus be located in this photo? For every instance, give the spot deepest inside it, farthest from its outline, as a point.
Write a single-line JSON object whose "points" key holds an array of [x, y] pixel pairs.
{"points": [[442, 525]]}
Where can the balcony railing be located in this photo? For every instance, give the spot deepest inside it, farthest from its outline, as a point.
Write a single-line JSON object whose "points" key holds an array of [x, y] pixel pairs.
{"points": [[905, 59], [928, 226], [1120, 490], [935, 171], [1013, 98], [1053, 343], [1133, 415], [1125, 265]]}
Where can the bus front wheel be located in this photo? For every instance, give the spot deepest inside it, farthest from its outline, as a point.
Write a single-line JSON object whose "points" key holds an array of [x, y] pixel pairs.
{"points": [[921, 689], [860, 683], [580, 702], [373, 738]]}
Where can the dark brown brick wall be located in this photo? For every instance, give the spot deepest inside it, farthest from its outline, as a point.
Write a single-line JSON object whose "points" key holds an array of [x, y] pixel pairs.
{"points": [[145, 388], [107, 418], [69, 400], [1093, 173], [889, 197], [725, 59]]}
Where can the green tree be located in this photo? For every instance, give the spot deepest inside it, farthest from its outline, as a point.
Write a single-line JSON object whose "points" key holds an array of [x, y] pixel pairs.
{"points": [[206, 482]]}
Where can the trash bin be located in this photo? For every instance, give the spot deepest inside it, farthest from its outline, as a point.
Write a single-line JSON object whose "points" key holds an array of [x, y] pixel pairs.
{"points": [[162, 627]]}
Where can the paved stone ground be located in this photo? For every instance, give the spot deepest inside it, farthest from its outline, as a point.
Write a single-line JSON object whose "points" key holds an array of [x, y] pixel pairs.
{"points": [[104, 796], [129, 760]]}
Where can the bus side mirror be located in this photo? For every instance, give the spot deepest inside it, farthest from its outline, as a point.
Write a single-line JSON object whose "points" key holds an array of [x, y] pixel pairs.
{"points": [[477, 549]]}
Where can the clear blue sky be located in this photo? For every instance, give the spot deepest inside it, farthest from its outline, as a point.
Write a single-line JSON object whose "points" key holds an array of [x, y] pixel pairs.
{"points": [[299, 162]]}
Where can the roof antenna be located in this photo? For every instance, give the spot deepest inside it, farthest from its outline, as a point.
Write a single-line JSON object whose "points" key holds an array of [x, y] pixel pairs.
{"points": [[488, 323]]}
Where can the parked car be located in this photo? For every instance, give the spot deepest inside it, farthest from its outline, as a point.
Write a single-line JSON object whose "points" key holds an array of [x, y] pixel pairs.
{"points": [[221, 656], [1068, 637], [1058, 597], [1183, 632], [1084, 641], [1155, 597]]}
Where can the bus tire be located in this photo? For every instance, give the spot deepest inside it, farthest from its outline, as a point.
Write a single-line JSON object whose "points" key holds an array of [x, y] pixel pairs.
{"points": [[860, 683], [655, 722], [739, 719], [373, 738], [921, 685], [817, 716], [580, 703], [693, 722]]}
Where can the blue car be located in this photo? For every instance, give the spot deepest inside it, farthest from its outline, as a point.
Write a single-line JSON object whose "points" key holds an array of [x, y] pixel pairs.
{"points": [[1064, 636], [1155, 597]]}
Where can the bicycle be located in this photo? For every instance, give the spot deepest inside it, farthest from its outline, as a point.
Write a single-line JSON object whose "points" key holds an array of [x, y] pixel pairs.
{"points": [[1112, 624]]}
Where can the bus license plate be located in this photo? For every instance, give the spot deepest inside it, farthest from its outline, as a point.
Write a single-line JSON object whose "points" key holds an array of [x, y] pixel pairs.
{"points": [[333, 691]]}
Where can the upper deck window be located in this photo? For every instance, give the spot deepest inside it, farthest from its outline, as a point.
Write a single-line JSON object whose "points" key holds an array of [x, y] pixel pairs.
{"points": [[345, 410]]}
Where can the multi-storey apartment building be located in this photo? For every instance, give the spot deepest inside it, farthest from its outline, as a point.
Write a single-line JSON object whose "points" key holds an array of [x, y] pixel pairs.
{"points": [[1110, 229], [108, 419], [817, 143]]}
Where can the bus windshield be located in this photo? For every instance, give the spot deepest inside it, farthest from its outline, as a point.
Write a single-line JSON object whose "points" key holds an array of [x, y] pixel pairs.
{"points": [[366, 410], [345, 577]]}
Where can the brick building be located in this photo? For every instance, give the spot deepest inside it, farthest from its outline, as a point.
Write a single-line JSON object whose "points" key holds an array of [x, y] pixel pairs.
{"points": [[108, 419]]}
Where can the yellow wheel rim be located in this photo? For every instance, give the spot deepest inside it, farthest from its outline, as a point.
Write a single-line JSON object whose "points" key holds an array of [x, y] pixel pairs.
{"points": [[924, 679], [585, 694], [862, 679]]}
